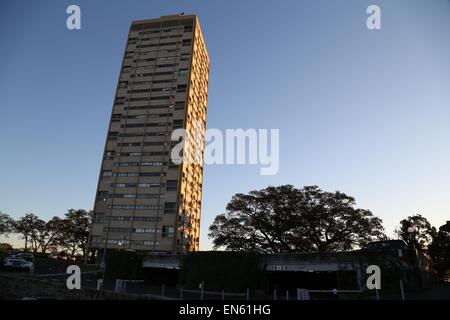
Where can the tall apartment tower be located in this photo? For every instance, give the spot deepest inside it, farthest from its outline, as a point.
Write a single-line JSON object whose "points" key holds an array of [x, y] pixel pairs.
{"points": [[145, 201]]}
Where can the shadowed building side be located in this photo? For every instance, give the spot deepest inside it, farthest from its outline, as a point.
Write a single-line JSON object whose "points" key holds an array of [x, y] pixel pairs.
{"points": [[144, 201]]}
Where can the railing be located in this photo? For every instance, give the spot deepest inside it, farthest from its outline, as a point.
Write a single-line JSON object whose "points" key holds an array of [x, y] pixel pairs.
{"points": [[43, 275], [222, 293]]}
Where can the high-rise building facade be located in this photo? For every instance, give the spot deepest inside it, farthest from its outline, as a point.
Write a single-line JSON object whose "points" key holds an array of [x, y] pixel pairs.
{"points": [[144, 200]]}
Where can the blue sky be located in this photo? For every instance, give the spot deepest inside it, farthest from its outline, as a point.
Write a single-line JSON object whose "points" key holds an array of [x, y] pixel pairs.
{"points": [[364, 112]]}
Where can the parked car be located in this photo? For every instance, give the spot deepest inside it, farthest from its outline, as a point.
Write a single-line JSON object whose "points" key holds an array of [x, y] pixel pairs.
{"points": [[13, 258], [53, 255], [18, 263], [73, 258], [62, 256], [22, 255], [386, 245], [65, 256]]}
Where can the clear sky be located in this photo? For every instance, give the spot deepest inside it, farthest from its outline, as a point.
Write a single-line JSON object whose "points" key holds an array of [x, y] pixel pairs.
{"points": [[364, 112]]}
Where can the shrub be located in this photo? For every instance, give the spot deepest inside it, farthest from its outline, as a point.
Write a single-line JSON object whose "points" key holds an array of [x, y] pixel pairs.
{"points": [[232, 271]]}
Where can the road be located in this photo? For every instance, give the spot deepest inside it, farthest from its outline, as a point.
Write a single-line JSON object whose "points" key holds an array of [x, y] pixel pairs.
{"points": [[442, 292]]}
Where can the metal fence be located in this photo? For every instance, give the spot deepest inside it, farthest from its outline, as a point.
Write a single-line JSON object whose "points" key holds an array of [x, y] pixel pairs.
{"points": [[178, 292]]}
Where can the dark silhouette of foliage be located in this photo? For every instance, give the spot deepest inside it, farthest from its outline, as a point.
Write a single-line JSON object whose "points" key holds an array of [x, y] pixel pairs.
{"points": [[69, 233], [28, 227], [6, 223], [75, 230], [287, 219], [439, 250], [421, 237], [49, 233]]}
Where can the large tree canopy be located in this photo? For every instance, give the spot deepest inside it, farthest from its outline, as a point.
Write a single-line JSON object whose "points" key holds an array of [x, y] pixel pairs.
{"points": [[439, 250], [422, 235], [70, 233], [50, 233], [28, 226], [75, 230], [287, 219], [6, 223]]}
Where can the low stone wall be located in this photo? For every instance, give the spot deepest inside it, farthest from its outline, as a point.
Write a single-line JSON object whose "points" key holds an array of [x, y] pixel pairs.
{"points": [[14, 287]]}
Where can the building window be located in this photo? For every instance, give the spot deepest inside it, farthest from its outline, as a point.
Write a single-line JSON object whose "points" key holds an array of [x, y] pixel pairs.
{"points": [[121, 185], [150, 185], [145, 230], [102, 196], [121, 218], [109, 155], [113, 135], [120, 100], [181, 88], [142, 164], [177, 124], [136, 207], [151, 243], [170, 207], [99, 217], [116, 117], [138, 196], [151, 219], [183, 72], [173, 165], [172, 184], [116, 230], [142, 174], [179, 105], [167, 232], [106, 173]]}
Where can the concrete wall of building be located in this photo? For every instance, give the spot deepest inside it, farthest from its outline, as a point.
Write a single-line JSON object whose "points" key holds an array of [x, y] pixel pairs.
{"points": [[163, 85], [348, 270]]}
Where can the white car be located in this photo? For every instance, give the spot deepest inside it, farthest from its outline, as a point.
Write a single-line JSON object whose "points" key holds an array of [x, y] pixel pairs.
{"points": [[19, 263], [22, 255]]}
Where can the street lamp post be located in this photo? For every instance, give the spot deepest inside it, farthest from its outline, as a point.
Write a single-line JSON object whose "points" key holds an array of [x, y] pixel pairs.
{"points": [[120, 243], [412, 239], [103, 267], [411, 231]]}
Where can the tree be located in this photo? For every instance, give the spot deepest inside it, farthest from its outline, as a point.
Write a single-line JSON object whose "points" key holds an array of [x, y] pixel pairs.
{"points": [[6, 223], [75, 230], [421, 236], [439, 250], [49, 233], [35, 234], [27, 227], [286, 219], [5, 247]]}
